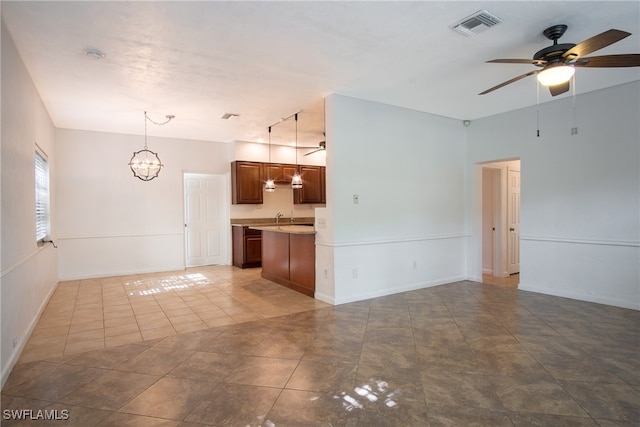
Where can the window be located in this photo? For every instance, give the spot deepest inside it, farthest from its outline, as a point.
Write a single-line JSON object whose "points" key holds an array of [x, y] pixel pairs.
{"points": [[42, 197]]}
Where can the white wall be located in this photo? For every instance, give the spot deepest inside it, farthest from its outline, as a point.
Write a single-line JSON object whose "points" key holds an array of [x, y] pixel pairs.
{"points": [[111, 223], [280, 200], [408, 229], [29, 273], [580, 196]]}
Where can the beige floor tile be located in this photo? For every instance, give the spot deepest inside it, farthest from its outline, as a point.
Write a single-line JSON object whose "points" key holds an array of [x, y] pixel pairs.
{"points": [[91, 335], [182, 328], [118, 321], [172, 312], [117, 311], [151, 334], [220, 321], [79, 326], [52, 321], [185, 318], [154, 324], [128, 338], [83, 346], [121, 329], [86, 316], [60, 331]]}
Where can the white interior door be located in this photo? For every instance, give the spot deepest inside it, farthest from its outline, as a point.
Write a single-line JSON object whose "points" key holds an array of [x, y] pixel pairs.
{"points": [[205, 219], [513, 214]]}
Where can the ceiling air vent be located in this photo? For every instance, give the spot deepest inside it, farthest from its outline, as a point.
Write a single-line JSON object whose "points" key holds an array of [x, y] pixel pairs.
{"points": [[477, 23]]}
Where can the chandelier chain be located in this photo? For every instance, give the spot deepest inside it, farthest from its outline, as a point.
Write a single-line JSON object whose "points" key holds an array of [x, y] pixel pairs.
{"points": [[169, 118]]}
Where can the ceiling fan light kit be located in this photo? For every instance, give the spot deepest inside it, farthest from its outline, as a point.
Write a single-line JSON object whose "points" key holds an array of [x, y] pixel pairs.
{"points": [[558, 61], [555, 75]]}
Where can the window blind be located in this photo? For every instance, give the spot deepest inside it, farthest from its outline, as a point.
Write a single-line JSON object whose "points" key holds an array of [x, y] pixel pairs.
{"points": [[42, 197]]}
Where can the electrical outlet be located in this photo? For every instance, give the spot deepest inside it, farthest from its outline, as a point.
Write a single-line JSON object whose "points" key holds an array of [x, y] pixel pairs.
{"points": [[326, 273], [321, 222]]}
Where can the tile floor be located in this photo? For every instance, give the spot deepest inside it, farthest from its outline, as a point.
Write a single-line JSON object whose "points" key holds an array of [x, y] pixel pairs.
{"points": [[85, 315], [511, 281], [454, 355]]}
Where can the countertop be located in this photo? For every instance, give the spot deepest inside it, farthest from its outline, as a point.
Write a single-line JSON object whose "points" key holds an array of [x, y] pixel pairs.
{"points": [[264, 222], [286, 228]]}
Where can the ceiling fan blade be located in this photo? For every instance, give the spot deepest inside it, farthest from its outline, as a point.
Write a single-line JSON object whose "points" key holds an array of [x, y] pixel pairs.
{"points": [[628, 60], [518, 61], [559, 89], [314, 151], [595, 43], [515, 79]]}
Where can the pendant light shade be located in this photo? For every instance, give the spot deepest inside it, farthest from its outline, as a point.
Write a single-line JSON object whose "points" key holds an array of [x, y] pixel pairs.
{"points": [[270, 185], [296, 181]]}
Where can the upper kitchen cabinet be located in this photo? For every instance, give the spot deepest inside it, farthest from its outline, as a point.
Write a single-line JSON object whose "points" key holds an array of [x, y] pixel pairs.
{"points": [[313, 185], [246, 182], [281, 174]]}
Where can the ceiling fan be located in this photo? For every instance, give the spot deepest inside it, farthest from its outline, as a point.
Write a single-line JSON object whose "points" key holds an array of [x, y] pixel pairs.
{"points": [[322, 145], [558, 61]]}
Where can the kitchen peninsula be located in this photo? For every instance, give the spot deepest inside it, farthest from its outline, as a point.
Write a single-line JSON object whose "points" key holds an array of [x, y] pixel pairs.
{"points": [[289, 256]]}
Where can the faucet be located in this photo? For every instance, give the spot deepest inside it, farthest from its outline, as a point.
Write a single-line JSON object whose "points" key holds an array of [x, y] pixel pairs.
{"points": [[278, 216]]}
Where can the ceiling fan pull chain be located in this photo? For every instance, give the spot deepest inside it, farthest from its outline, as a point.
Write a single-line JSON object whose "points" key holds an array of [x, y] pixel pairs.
{"points": [[574, 118], [538, 108]]}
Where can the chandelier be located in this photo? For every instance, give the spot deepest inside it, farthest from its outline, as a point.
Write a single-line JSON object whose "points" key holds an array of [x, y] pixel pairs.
{"points": [[145, 164]]}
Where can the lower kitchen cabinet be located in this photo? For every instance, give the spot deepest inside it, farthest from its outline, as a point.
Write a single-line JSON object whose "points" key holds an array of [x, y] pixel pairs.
{"points": [[289, 259], [247, 247]]}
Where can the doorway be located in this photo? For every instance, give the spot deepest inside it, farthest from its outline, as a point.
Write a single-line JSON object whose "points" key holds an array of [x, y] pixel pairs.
{"points": [[206, 223], [501, 222]]}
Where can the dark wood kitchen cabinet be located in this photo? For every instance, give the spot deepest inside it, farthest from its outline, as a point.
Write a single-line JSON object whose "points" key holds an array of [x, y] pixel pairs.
{"points": [[248, 179], [289, 259], [247, 247], [246, 182], [313, 185], [280, 173]]}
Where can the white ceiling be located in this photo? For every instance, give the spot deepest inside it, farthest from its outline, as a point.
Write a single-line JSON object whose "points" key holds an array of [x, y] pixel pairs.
{"points": [[265, 60]]}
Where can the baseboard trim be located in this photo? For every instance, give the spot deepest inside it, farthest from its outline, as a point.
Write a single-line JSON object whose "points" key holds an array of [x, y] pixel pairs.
{"points": [[581, 297]]}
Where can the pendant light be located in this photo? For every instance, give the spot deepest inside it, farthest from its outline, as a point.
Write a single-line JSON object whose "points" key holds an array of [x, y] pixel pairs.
{"points": [[145, 164], [296, 181], [270, 186]]}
